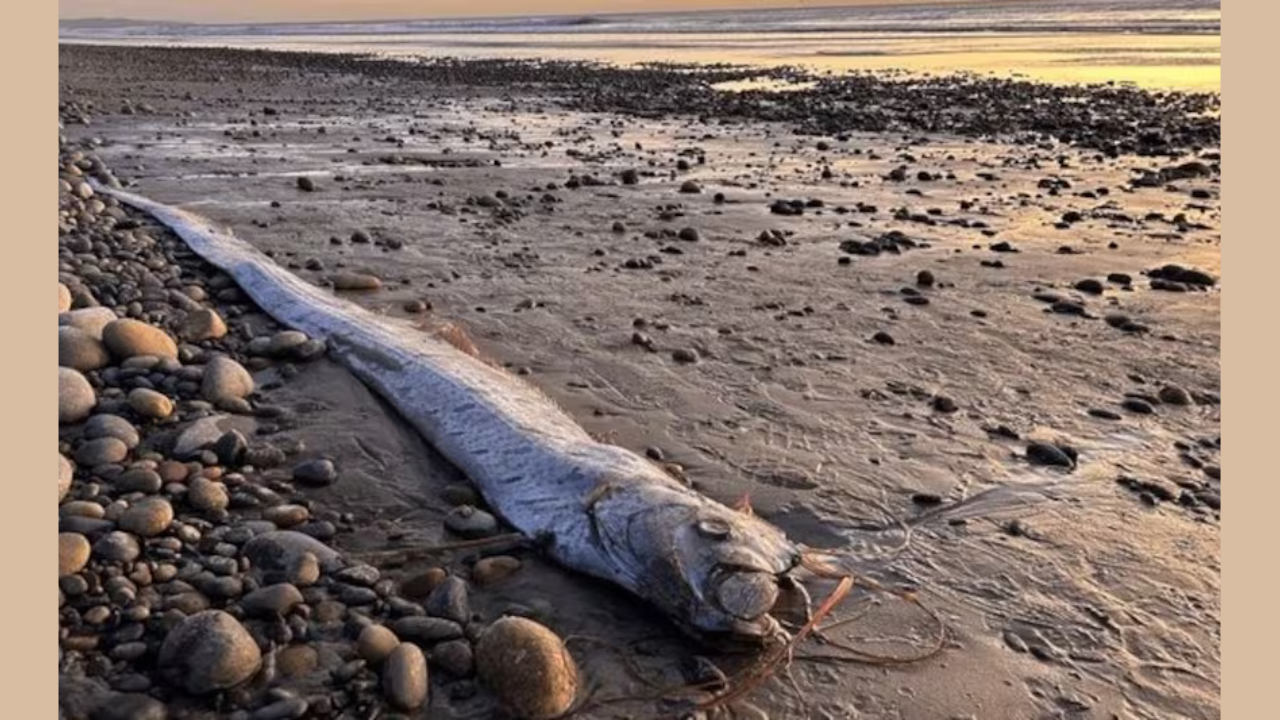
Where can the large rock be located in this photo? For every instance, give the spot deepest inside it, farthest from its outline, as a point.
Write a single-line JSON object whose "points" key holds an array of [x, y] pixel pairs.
{"points": [[108, 425], [224, 380], [75, 396], [92, 320], [528, 668], [209, 651], [81, 351], [129, 338]]}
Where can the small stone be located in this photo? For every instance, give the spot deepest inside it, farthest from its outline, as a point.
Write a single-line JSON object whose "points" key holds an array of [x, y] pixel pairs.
{"points": [[203, 325], [1140, 407], [107, 425], [690, 187], [128, 338], [493, 569], [286, 516], [76, 398], [272, 600], [316, 473], [454, 657], [117, 547], [1090, 286], [66, 473], [102, 451], [883, 338], [1174, 395], [528, 667], [288, 708], [944, 404], [208, 495], [91, 320], [79, 350], [130, 706], [282, 556], [306, 184], [449, 601], [147, 518], [376, 643], [426, 630], [64, 298], [470, 522], [924, 278], [420, 586], [150, 404], [685, 356], [73, 553], [404, 677], [355, 281], [231, 448], [1039, 453], [689, 234], [209, 651], [225, 379]]}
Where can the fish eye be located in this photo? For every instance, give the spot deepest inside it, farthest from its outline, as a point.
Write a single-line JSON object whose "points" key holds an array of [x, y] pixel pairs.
{"points": [[713, 528]]}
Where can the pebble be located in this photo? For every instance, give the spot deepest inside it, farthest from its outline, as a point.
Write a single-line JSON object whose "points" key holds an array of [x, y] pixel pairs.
{"points": [[130, 706], [1039, 453], [289, 708], [147, 518], [117, 547], [493, 569], [202, 325], [355, 281], [420, 586], [66, 473], [1089, 285], [924, 278], [73, 553], [79, 350], [209, 651], [207, 495], [449, 601], [287, 516], [64, 298], [316, 473], [108, 425], [225, 379], [470, 522], [404, 677], [375, 643], [76, 398], [150, 404], [454, 657], [685, 355], [102, 451], [1140, 407], [1174, 395], [282, 556], [306, 184], [128, 338], [91, 320], [528, 667], [272, 600], [426, 630]]}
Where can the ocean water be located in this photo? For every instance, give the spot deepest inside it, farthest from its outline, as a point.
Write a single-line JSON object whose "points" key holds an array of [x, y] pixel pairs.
{"points": [[1161, 44]]}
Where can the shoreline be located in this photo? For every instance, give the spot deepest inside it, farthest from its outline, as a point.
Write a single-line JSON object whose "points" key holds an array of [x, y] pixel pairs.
{"points": [[888, 319]]}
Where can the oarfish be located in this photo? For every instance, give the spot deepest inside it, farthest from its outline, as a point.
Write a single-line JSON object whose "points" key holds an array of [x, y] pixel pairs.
{"points": [[595, 508]]}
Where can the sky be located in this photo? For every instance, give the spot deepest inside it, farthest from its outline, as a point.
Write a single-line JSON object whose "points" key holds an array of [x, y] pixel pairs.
{"points": [[313, 10]]}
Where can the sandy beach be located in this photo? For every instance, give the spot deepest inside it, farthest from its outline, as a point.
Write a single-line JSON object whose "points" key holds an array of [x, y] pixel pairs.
{"points": [[964, 331]]}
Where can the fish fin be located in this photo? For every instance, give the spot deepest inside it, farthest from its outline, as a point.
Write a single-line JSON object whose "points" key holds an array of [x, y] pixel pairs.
{"points": [[457, 337], [743, 505]]}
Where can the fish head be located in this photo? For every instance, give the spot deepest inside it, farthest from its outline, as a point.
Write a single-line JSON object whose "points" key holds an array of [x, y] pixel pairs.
{"points": [[732, 565]]}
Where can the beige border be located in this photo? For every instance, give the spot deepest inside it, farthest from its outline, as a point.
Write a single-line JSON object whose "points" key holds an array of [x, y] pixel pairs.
{"points": [[30, 68]]}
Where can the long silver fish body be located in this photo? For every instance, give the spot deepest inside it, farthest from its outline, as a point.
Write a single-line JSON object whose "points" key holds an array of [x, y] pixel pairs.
{"points": [[597, 509]]}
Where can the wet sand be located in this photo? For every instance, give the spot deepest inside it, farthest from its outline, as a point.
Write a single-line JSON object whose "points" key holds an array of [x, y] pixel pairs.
{"points": [[1066, 592]]}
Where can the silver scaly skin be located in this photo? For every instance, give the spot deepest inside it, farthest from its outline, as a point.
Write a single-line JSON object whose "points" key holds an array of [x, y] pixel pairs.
{"points": [[598, 509]]}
